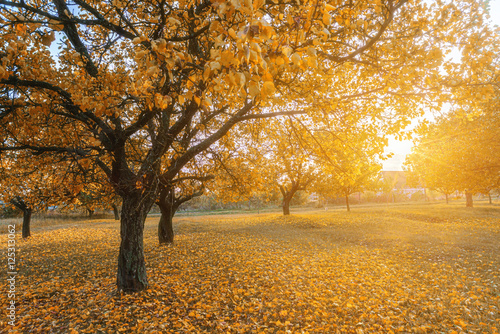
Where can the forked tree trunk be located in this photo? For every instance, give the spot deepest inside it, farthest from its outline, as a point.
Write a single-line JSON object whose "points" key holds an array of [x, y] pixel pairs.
{"points": [[26, 222], [19, 203], [169, 204], [347, 202], [116, 212], [289, 193], [91, 213], [131, 264], [468, 199]]}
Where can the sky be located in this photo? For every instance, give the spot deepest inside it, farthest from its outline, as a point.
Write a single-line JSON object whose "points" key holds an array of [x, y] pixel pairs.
{"points": [[402, 148]]}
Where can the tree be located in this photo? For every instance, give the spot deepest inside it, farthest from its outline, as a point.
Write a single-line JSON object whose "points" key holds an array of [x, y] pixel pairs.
{"points": [[169, 200], [427, 173], [19, 203], [32, 189], [285, 162], [457, 153], [155, 75], [353, 174], [221, 170]]}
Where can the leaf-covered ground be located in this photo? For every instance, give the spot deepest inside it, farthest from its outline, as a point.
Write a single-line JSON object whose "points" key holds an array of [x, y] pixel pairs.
{"points": [[431, 269]]}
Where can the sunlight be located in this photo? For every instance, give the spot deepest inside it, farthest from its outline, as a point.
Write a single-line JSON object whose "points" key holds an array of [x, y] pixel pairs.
{"points": [[400, 150]]}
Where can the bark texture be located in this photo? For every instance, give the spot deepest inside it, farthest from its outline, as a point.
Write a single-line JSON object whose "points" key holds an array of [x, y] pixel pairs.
{"points": [[131, 264]]}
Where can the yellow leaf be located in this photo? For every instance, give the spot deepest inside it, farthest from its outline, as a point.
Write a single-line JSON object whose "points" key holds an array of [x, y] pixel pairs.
{"points": [[268, 88], [253, 89], [327, 18], [329, 7], [296, 59]]}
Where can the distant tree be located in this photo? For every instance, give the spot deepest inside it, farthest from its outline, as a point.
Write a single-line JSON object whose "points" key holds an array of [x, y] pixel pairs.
{"points": [[347, 157], [457, 153], [285, 162], [36, 188]]}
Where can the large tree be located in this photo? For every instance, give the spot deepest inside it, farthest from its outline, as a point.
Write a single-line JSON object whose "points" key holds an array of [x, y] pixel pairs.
{"points": [[166, 73]]}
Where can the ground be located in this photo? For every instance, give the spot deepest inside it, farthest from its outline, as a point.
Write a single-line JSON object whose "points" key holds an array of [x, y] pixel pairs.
{"points": [[410, 269]]}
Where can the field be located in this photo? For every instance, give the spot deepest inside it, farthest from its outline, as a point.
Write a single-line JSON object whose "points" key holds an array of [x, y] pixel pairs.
{"points": [[409, 269]]}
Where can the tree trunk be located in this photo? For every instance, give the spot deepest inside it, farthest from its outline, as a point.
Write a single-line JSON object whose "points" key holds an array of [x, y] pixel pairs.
{"points": [[91, 213], [165, 228], [286, 206], [116, 212], [168, 206], [26, 222], [19, 203], [468, 199], [489, 198], [446, 195], [347, 202], [131, 264]]}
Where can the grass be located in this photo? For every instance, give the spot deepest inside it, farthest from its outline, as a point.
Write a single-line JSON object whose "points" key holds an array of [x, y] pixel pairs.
{"points": [[409, 269]]}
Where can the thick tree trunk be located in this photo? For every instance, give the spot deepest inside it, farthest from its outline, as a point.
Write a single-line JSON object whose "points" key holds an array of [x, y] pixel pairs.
{"points": [[131, 264], [116, 212], [286, 206], [446, 195], [91, 213], [347, 202], [26, 222], [489, 198], [468, 199]]}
